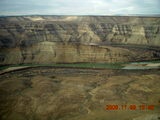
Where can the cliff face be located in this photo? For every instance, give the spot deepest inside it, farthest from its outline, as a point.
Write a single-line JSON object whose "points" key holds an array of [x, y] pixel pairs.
{"points": [[52, 52], [49, 39]]}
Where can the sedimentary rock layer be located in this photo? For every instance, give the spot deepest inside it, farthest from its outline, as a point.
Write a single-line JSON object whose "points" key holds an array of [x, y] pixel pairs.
{"points": [[30, 39]]}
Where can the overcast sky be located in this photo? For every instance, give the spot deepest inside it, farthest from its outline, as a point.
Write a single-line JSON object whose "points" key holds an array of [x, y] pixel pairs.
{"points": [[79, 7]]}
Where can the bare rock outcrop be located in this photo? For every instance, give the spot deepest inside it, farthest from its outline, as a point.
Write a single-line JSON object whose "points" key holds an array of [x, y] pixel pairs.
{"points": [[50, 39]]}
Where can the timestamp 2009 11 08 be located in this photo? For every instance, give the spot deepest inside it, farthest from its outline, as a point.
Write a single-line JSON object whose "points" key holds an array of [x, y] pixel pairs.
{"points": [[129, 107]]}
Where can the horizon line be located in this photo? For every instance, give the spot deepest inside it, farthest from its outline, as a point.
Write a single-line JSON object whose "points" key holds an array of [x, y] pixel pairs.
{"points": [[118, 15]]}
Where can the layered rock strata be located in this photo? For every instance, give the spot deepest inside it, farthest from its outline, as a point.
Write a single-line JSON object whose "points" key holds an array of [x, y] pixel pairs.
{"points": [[63, 39]]}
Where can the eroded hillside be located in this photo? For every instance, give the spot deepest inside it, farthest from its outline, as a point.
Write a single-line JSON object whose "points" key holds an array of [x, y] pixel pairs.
{"points": [[50, 39]]}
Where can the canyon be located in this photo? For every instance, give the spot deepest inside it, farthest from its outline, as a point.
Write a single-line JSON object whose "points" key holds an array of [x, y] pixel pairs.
{"points": [[73, 67], [73, 39]]}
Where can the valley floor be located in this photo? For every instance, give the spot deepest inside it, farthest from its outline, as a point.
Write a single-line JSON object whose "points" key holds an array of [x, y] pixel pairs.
{"points": [[48, 93]]}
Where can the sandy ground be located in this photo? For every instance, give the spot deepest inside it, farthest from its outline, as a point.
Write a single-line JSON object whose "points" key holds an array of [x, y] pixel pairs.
{"points": [[142, 66], [13, 69]]}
